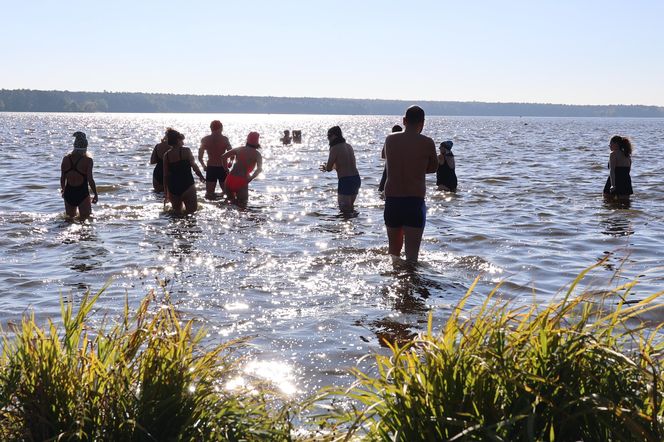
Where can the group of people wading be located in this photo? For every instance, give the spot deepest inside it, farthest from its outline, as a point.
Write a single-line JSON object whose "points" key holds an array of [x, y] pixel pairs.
{"points": [[408, 155]]}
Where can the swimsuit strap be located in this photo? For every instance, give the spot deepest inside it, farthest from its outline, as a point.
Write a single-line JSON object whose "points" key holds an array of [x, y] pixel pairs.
{"points": [[73, 166]]}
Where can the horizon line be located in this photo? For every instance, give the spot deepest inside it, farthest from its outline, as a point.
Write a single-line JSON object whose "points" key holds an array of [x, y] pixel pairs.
{"points": [[339, 98]]}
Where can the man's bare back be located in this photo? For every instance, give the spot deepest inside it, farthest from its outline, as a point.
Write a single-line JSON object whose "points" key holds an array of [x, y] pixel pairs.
{"points": [[216, 145], [409, 157]]}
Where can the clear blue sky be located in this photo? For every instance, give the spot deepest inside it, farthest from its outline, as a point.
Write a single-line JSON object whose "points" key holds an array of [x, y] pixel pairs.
{"points": [[556, 51]]}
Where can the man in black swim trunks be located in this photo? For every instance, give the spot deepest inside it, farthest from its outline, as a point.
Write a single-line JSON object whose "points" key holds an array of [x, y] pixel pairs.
{"points": [[342, 158], [409, 156], [216, 145]]}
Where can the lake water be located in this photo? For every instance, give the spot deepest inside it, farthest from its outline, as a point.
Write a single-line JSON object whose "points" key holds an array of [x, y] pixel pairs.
{"points": [[316, 291]]}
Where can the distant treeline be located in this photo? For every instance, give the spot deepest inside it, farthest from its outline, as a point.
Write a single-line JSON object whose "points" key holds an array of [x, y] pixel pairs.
{"points": [[25, 100]]}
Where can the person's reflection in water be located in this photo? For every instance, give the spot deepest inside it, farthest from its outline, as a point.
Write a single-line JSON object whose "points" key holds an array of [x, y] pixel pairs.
{"points": [[617, 221], [183, 232]]}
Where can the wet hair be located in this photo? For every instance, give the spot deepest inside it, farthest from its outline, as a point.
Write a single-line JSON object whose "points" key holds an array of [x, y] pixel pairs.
{"points": [[414, 115], [173, 136], [216, 125], [623, 143], [336, 131], [397, 128]]}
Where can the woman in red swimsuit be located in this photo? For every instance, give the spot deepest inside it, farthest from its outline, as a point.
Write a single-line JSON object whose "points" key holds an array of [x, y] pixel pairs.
{"points": [[246, 159]]}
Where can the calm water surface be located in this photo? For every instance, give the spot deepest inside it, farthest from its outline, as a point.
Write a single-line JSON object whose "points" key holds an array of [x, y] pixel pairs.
{"points": [[316, 291]]}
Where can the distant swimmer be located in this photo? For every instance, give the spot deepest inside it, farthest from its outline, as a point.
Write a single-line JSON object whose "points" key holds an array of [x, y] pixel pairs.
{"points": [[619, 182], [342, 158], [246, 159], [75, 177], [297, 136], [446, 178], [157, 158], [178, 162], [215, 145], [409, 157], [286, 139], [381, 186]]}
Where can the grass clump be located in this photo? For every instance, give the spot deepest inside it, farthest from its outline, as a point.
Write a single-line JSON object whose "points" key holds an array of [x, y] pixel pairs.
{"points": [[573, 370], [145, 379]]}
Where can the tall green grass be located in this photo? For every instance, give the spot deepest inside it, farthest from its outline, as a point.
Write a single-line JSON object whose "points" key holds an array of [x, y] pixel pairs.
{"points": [[572, 370], [145, 379], [577, 369]]}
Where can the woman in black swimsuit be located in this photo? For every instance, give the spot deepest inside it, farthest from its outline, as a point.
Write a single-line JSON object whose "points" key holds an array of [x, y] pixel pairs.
{"points": [[178, 162], [619, 182], [75, 177], [157, 159]]}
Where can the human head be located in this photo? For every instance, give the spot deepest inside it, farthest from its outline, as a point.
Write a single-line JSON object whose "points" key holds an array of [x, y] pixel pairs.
{"points": [[80, 141], [397, 128], [414, 118], [173, 136], [216, 126], [622, 143], [333, 133], [446, 145], [252, 140], [286, 132]]}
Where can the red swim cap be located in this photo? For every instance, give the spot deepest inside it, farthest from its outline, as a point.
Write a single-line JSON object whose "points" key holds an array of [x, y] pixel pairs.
{"points": [[252, 139], [216, 125]]}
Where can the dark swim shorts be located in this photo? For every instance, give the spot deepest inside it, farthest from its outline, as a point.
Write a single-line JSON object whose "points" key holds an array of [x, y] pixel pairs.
{"points": [[349, 185], [406, 211], [215, 173]]}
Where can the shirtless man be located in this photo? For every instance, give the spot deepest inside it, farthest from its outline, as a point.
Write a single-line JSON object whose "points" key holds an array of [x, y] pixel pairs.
{"points": [[342, 158], [409, 157], [216, 145]]}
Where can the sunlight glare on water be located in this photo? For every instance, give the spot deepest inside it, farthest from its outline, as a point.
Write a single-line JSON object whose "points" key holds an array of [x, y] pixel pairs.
{"points": [[313, 291]]}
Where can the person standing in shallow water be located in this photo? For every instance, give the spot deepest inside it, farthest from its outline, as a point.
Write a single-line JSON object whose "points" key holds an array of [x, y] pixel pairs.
{"points": [[381, 186], [246, 159], [342, 158], [409, 157], [75, 177], [619, 182], [215, 145], [178, 162], [446, 178], [157, 159]]}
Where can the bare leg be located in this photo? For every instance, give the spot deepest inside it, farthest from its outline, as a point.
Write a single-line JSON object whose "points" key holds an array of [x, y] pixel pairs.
{"points": [[176, 203], [413, 237], [85, 209], [395, 240], [210, 187], [189, 198], [243, 197], [345, 202], [70, 210]]}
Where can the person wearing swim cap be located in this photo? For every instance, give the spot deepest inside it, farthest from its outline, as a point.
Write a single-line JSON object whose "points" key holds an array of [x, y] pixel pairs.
{"points": [[342, 158], [215, 144], [246, 159], [409, 156], [446, 178], [75, 177]]}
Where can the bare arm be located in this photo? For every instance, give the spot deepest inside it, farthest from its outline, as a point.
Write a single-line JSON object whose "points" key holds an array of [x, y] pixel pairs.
{"points": [[62, 176], [259, 167], [166, 174], [331, 159], [226, 156], [154, 158], [91, 182], [432, 164], [194, 166], [382, 152], [201, 151], [612, 169]]}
